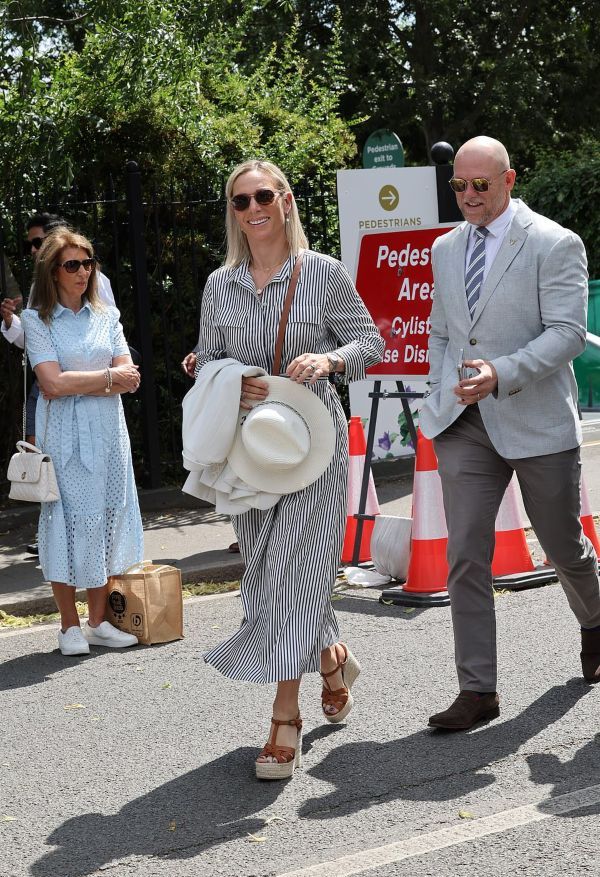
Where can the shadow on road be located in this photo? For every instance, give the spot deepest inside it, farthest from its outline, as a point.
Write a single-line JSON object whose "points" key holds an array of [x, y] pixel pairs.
{"points": [[208, 806], [38, 667], [357, 602], [545, 767], [217, 802], [431, 765]]}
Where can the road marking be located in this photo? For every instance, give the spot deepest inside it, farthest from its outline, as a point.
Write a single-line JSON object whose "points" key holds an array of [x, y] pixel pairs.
{"points": [[590, 444], [377, 857]]}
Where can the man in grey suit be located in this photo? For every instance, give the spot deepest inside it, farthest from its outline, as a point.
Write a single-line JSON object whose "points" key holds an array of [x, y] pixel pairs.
{"points": [[511, 289]]}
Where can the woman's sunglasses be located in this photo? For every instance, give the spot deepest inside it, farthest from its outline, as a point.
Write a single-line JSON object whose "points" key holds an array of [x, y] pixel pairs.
{"points": [[480, 184], [72, 266], [261, 196]]}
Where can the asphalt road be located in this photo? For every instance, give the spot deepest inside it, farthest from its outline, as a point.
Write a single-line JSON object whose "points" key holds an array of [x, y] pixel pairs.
{"points": [[152, 774]]}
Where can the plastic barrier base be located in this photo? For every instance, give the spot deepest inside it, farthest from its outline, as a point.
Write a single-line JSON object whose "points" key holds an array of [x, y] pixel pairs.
{"points": [[519, 581], [399, 597], [542, 575]]}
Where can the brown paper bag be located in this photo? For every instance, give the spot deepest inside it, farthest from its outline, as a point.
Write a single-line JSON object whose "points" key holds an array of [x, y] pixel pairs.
{"points": [[147, 602]]}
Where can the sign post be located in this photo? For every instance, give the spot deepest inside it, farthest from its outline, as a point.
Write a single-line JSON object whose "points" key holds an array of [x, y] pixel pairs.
{"points": [[388, 223]]}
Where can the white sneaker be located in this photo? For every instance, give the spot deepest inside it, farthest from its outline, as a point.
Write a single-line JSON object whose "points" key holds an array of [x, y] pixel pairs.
{"points": [[107, 635], [73, 642]]}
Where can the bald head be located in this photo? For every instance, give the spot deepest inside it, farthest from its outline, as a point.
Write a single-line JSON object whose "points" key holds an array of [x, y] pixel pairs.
{"points": [[487, 159], [485, 148]]}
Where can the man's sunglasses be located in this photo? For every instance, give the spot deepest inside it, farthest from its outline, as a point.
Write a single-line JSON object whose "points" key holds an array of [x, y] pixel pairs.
{"points": [[72, 266], [34, 242], [480, 184], [261, 196]]}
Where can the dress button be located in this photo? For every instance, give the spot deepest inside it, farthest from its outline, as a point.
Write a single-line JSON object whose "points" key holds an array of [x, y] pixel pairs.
{"points": [[472, 341]]}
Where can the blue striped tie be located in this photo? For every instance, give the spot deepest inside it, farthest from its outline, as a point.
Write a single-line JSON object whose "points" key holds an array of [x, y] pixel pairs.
{"points": [[475, 269]]}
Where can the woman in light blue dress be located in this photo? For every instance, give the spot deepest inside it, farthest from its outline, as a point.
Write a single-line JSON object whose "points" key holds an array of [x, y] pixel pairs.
{"points": [[77, 349]]}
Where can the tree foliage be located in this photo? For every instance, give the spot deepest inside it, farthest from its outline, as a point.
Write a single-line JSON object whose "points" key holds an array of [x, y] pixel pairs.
{"points": [[171, 85], [526, 72], [192, 87], [566, 187]]}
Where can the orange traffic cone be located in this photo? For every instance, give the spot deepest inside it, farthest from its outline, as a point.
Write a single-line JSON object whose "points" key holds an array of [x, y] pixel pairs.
{"points": [[357, 448], [428, 567], [511, 554], [587, 519]]}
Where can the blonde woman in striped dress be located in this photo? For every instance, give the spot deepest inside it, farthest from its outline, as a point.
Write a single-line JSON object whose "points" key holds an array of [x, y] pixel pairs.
{"points": [[291, 551]]}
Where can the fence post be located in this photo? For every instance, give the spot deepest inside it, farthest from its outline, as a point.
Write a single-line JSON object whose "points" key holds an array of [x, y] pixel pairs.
{"points": [[142, 311], [3, 289]]}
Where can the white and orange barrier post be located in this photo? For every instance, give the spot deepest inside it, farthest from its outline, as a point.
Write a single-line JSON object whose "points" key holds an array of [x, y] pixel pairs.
{"points": [[428, 568], [357, 449]]}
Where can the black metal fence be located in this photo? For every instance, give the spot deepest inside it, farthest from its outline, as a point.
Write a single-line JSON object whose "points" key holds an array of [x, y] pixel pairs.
{"points": [[157, 246]]}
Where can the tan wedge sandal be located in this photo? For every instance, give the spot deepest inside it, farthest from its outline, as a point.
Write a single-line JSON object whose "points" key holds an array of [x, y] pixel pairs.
{"points": [[340, 698], [288, 759]]}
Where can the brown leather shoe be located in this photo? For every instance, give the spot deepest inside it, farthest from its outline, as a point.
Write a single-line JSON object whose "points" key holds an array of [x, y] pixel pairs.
{"points": [[468, 709], [590, 655]]}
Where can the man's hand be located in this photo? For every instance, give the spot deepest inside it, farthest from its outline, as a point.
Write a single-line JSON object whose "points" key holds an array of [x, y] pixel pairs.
{"points": [[8, 308], [475, 389]]}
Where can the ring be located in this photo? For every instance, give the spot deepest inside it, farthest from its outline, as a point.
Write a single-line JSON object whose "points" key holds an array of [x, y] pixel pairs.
{"points": [[311, 366]]}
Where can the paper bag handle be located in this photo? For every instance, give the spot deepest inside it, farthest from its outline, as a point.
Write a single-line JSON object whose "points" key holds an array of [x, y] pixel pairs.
{"points": [[143, 564]]}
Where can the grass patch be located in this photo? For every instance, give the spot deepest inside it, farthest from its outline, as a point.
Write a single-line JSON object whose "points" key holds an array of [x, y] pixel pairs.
{"points": [[203, 589], [15, 621], [196, 589]]}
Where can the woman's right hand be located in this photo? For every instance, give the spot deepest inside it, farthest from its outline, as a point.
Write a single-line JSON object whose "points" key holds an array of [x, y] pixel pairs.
{"points": [[253, 390], [126, 376]]}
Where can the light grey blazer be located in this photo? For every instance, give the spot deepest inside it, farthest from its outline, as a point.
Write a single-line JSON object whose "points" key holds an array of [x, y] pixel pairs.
{"points": [[530, 322]]}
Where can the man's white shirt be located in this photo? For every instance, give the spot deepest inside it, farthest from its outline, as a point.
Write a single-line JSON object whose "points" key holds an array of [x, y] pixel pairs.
{"points": [[496, 233]]}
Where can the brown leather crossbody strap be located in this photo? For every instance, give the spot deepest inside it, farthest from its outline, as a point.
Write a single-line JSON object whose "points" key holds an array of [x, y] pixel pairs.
{"points": [[285, 313]]}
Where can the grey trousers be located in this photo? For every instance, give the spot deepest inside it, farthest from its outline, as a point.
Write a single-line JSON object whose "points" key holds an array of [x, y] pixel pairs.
{"points": [[474, 477]]}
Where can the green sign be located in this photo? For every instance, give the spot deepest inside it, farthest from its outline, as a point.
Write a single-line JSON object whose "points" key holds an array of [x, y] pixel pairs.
{"points": [[383, 149]]}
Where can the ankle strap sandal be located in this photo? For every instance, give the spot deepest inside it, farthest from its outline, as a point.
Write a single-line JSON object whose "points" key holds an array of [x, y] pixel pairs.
{"points": [[287, 759], [340, 698]]}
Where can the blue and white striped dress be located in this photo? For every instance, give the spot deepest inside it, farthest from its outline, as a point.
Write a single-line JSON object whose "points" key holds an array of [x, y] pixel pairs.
{"points": [[291, 551]]}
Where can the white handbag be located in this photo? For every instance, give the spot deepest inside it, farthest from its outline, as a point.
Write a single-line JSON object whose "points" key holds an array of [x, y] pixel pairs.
{"points": [[31, 471], [31, 475]]}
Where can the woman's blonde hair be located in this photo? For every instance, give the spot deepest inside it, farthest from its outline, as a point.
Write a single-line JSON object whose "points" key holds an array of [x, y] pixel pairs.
{"points": [[237, 243], [44, 294]]}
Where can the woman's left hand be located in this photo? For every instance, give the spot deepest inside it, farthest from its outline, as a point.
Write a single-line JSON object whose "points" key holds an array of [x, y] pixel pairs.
{"points": [[308, 368]]}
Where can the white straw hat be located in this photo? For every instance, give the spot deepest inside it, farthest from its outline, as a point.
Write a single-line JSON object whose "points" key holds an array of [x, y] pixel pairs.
{"points": [[285, 442]]}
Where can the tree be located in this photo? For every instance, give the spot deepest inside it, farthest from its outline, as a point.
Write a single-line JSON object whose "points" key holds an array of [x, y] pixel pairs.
{"points": [[555, 188], [526, 72], [171, 85]]}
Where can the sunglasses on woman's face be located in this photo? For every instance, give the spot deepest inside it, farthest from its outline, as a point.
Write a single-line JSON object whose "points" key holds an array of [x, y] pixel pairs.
{"points": [[72, 266], [261, 196], [34, 242]]}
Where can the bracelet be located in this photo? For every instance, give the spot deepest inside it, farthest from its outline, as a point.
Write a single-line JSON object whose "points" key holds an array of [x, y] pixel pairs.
{"points": [[108, 378]]}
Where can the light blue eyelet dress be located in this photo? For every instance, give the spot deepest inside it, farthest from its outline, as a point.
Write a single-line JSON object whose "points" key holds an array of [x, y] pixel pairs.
{"points": [[95, 530]]}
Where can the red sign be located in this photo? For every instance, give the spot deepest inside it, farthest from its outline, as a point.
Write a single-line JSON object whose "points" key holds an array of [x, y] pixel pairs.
{"points": [[395, 281]]}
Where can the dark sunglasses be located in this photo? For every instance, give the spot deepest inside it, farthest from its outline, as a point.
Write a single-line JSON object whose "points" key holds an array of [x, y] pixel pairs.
{"points": [[72, 266], [261, 196], [480, 184], [34, 242]]}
